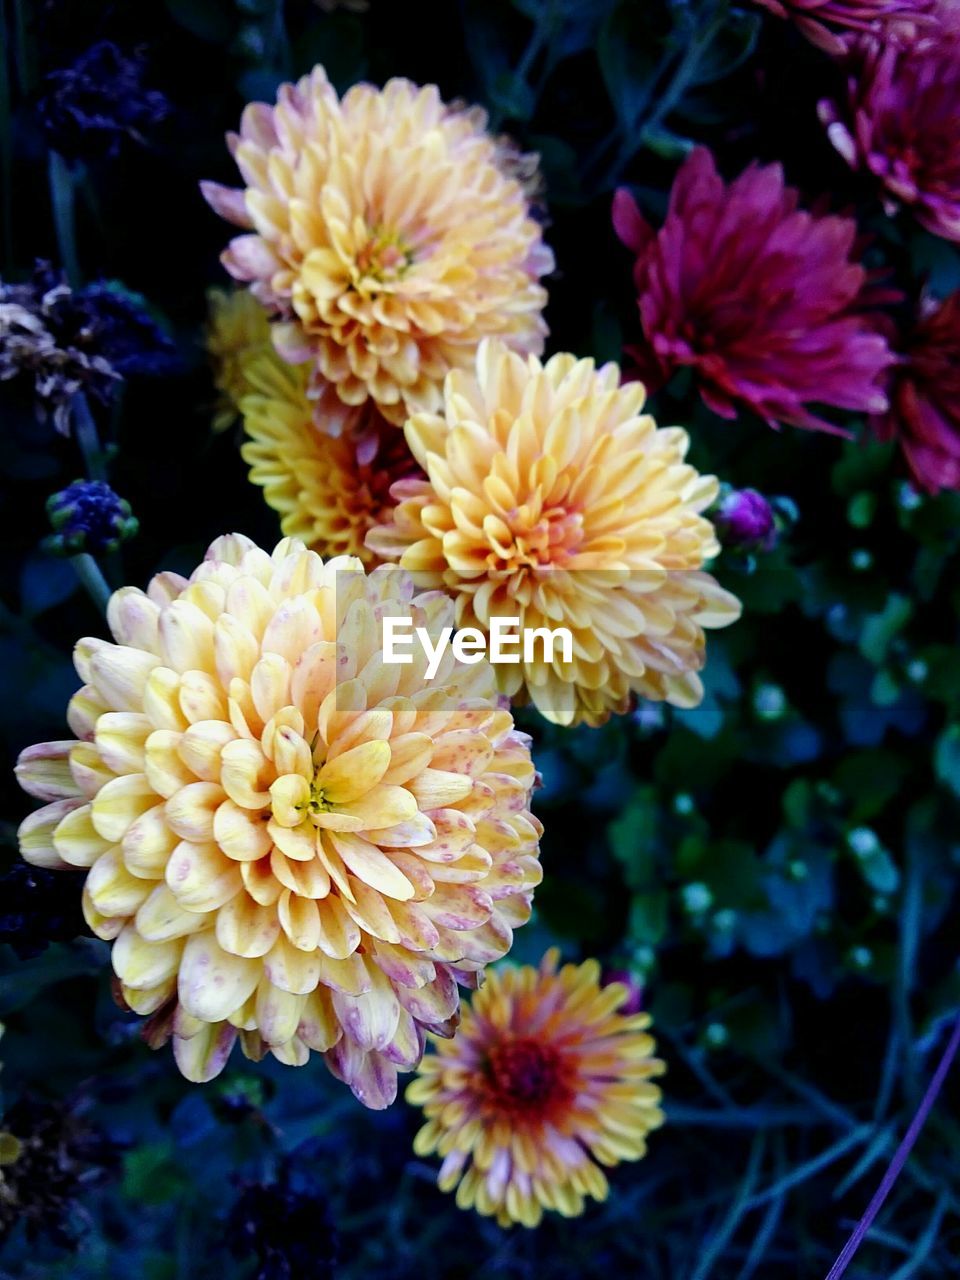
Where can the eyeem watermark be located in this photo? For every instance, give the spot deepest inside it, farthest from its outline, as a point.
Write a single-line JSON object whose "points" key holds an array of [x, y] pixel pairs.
{"points": [[506, 642]]}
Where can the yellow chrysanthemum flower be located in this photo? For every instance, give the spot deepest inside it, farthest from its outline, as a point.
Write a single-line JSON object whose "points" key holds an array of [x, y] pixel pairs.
{"points": [[544, 1083], [386, 236], [287, 839], [550, 497], [238, 334], [330, 491]]}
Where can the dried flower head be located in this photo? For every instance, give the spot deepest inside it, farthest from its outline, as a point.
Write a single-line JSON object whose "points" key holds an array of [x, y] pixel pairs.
{"points": [[50, 1154], [125, 331], [91, 108], [46, 344], [39, 907], [61, 341], [286, 1226]]}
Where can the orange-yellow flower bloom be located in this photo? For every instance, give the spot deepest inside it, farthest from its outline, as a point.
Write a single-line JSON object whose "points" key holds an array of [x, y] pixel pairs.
{"points": [[544, 1083], [238, 334], [551, 497], [330, 491], [386, 236], [287, 840]]}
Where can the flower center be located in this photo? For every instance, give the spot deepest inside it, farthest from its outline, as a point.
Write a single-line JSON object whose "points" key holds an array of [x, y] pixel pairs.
{"points": [[318, 803], [548, 538], [384, 257], [523, 1073]]}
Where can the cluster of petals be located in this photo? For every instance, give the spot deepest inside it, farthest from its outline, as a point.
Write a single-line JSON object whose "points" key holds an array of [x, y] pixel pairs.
{"points": [[762, 300], [925, 396], [387, 234], [899, 120], [828, 23], [287, 841], [329, 491], [551, 497], [546, 1081], [237, 336]]}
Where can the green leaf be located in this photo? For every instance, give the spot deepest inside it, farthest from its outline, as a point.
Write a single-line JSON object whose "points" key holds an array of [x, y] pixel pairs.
{"points": [[337, 44], [629, 59], [44, 583], [798, 802], [562, 173], [864, 465], [666, 144], [946, 758], [880, 871], [571, 24], [60, 962], [885, 690], [936, 260], [151, 1175], [648, 917], [211, 20], [861, 509], [706, 720], [260, 84], [943, 673], [870, 780], [691, 856], [512, 96], [732, 870], [880, 629], [607, 332], [633, 839], [733, 44]]}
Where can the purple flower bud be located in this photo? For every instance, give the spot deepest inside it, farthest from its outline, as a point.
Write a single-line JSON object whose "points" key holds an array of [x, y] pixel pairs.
{"points": [[634, 1002], [88, 516], [745, 521]]}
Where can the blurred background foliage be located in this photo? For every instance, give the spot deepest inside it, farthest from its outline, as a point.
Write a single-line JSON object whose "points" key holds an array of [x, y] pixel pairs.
{"points": [[777, 869]]}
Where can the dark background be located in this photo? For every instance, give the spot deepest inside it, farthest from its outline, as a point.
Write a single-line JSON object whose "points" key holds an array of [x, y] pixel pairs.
{"points": [[801, 992]]}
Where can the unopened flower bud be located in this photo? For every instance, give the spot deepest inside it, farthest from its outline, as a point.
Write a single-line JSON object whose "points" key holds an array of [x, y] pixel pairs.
{"points": [[88, 516], [745, 521]]}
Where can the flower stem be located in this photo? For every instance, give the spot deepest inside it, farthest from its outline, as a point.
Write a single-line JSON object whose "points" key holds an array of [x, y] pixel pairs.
{"points": [[89, 573], [682, 75], [6, 143], [543, 33], [85, 432], [62, 189], [721, 1237], [900, 1156], [21, 50]]}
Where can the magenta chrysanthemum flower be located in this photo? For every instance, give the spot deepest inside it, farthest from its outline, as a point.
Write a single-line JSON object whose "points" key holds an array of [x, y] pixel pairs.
{"points": [[824, 22], [900, 120], [925, 399], [763, 300]]}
